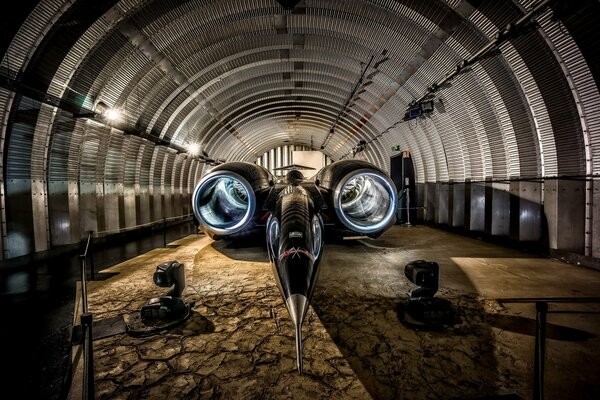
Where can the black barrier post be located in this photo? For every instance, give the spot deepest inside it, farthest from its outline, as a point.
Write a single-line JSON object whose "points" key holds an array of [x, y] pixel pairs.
{"points": [[91, 240], [164, 231], [88, 351], [541, 308]]}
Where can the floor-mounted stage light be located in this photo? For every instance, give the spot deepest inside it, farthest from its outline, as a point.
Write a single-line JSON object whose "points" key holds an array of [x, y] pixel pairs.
{"points": [[164, 312], [423, 311]]}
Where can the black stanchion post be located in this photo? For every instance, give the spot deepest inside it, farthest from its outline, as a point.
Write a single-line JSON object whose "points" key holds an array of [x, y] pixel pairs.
{"points": [[408, 207], [541, 308], [83, 284], [88, 351], [91, 250], [164, 231]]}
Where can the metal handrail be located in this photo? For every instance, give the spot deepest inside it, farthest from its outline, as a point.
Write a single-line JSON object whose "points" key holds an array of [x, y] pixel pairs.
{"points": [[155, 222], [86, 318], [83, 258], [541, 314], [86, 325]]}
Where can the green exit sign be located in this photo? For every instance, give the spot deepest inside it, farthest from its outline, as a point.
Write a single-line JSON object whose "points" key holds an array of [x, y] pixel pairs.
{"points": [[396, 148]]}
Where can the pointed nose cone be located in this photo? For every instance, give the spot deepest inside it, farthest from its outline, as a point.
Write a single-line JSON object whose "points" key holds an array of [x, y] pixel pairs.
{"points": [[297, 305]]}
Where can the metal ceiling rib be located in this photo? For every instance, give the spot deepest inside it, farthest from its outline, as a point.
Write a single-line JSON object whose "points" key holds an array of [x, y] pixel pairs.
{"points": [[156, 166], [147, 32], [245, 71], [146, 159], [77, 135], [89, 158], [176, 176], [60, 148], [130, 169], [114, 160], [183, 176], [554, 87], [584, 87], [167, 171], [31, 33]]}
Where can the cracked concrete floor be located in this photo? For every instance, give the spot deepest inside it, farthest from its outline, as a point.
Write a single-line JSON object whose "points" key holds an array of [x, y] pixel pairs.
{"points": [[239, 341]]}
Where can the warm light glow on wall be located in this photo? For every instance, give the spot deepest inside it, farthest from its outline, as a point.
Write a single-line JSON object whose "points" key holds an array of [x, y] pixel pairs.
{"points": [[111, 114]]}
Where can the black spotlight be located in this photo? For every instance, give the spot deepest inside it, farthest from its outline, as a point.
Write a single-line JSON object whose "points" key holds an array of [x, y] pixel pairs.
{"points": [[169, 274], [423, 310], [424, 274], [170, 307]]}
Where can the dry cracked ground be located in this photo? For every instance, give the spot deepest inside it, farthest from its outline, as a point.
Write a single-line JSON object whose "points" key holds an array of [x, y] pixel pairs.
{"points": [[239, 341]]}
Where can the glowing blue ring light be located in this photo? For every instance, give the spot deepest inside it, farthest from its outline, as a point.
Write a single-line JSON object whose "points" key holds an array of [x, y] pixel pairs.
{"points": [[223, 202], [365, 201]]}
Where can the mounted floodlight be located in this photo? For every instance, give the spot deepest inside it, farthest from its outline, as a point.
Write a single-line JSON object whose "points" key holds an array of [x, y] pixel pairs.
{"points": [[106, 112], [424, 274], [415, 111], [101, 107], [427, 106], [111, 114], [193, 149]]}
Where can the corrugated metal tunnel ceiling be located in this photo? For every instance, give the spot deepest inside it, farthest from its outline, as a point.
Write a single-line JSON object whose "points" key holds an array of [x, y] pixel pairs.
{"points": [[239, 78]]}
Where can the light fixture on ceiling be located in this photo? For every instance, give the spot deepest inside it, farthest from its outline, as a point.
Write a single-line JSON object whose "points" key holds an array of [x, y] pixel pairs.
{"points": [[427, 106], [361, 146], [193, 149], [110, 114]]}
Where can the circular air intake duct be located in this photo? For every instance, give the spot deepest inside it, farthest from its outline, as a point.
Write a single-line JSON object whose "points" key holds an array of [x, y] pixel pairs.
{"points": [[365, 201], [224, 202]]}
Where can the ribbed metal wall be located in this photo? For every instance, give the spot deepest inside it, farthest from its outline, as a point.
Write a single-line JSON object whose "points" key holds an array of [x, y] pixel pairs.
{"points": [[242, 79]]}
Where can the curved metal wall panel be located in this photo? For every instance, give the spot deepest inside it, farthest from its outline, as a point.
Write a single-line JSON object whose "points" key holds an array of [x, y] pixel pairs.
{"points": [[6, 99], [584, 84], [177, 205], [129, 194], [548, 164], [562, 112], [156, 189], [587, 98], [31, 33], [242, 79], [145, 183], [521, 144], [184, 190], [112, 175], [554, 88], [63, 228], [166, 175], [17, 169]]}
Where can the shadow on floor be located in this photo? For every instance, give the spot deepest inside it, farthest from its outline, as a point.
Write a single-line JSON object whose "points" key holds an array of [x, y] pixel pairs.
{"points": [[254, 250], [357, 303], [526, 326]]}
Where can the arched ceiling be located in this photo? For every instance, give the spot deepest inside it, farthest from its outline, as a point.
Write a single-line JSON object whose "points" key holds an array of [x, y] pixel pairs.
{"points": [[240, 78]]}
